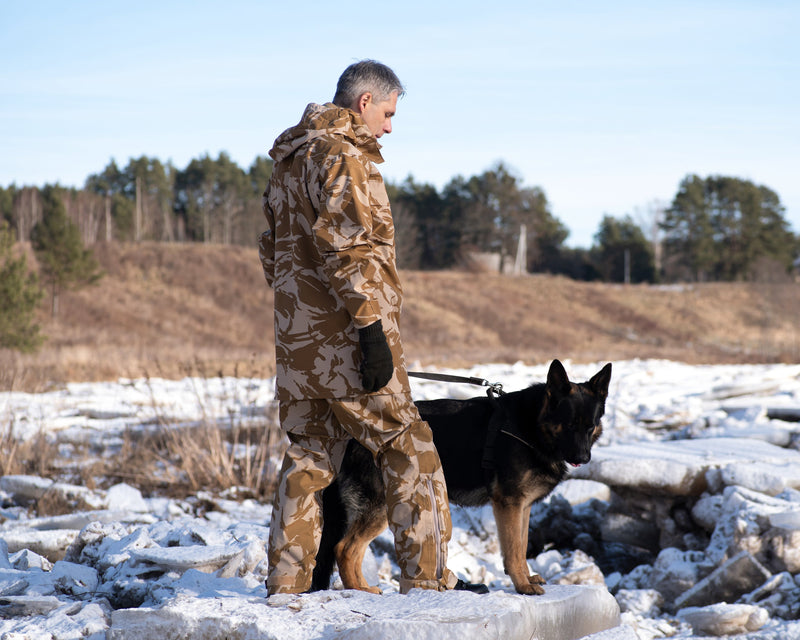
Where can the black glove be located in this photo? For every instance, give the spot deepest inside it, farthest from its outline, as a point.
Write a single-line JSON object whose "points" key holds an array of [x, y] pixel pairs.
{"points": [[376, 358]]}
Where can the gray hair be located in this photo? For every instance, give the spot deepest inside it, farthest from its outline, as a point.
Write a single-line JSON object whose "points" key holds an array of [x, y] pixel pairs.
{"points": [[366, 76]]}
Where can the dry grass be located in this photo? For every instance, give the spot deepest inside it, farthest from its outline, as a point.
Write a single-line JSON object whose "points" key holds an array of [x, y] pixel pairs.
{"points": [[178, 461], [30, 457], [164, 308]]}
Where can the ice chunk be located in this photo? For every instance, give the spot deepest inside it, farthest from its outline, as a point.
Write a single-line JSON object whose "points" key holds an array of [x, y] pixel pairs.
{"points": [[50, 544], [734, 578], [622, 632], [180, 559], [683, 467], [577, 491], [5, 563], [724, 619], [123, 497], [562, 613]]}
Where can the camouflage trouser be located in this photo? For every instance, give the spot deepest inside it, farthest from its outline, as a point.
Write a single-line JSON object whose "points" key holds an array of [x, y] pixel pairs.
{"points": [[416, 496]]}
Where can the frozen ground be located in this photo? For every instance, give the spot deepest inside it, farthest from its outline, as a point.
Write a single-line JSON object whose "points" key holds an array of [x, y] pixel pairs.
{"points": [[685, 524]]}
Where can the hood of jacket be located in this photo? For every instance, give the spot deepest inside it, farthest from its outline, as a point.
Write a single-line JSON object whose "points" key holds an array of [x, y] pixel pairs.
{"points": [[327, 121]]}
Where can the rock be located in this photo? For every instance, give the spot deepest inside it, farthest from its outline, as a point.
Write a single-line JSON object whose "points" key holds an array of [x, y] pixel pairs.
{"points": [[780, 596], [585, 574], [25, 560], [786, 519], [576, 568], [724, 619], [28, 488], [743, 519], [642, 602], [25, 487], [76, 579], [618, 527], [123, 497], [675, 571], [577, 491], [783, 549], [707, 511], [27, 605], [13, 582], [5, 562], [246, 561], [50, 544], [739, 575], [80, 519]]}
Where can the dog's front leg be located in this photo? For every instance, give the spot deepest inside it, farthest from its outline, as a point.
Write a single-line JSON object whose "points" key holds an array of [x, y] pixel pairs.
{"points": [[512, 529], [525, 521]]}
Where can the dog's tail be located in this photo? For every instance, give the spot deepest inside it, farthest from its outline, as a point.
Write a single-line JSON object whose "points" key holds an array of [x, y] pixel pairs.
{"points": [[334, 526]]}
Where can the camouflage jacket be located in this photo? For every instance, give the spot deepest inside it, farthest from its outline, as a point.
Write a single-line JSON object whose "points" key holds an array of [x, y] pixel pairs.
{"points": [[329, 255]]}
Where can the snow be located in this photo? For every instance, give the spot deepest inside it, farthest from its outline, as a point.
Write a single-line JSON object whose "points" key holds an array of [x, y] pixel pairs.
{"points": [[717, 443]]}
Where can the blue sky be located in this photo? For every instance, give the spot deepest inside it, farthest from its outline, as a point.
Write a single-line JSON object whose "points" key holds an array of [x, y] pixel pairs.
{"points": [[606, 106]]}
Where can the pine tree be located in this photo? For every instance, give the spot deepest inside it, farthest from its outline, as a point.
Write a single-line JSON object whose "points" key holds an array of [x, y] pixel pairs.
{"points": [[20, 293], [63, 260]]}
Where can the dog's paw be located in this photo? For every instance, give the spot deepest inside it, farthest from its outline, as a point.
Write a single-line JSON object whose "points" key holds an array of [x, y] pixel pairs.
{"points": [[536, 579], [368, 589], [530, 589]]}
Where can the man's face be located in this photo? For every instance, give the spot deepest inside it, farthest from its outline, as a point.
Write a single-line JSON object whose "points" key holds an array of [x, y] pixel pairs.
{"points": [[378, 115]]}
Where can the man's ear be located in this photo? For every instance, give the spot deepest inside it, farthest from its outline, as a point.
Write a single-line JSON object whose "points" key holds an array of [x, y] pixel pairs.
{"points": [[363, 101]]}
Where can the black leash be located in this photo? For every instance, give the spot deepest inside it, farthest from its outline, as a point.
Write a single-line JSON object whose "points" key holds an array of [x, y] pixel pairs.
{"points": [[495, 388]]}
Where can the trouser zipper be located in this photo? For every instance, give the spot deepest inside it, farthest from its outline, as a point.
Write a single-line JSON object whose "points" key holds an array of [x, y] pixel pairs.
{"points": [[437, 530]]}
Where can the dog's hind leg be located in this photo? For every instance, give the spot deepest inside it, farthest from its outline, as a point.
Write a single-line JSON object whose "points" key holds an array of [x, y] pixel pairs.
{"points": [[512, 529], [351, 549], [334, 527]]}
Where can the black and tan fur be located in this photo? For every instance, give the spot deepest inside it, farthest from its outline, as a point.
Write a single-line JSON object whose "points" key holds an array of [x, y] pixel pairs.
{"points": [[542, 429]]}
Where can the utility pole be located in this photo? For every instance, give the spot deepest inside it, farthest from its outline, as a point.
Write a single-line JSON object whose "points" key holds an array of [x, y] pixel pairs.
{"points": [[521, 261], [627, 266], [108, 217], [138, 222]]}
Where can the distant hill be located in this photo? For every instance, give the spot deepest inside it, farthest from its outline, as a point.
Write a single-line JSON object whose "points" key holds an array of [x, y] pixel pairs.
{"points": [[169, 310]]}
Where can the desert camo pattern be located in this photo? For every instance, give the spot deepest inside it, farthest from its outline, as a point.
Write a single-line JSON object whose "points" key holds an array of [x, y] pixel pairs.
{"points": [[329, 255], [417, 503]]}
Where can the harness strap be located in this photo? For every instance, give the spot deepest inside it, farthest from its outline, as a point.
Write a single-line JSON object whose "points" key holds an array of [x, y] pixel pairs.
{"points": [[496, 422]]}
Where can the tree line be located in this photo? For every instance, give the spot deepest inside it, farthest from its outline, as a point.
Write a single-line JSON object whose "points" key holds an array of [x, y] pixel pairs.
{"points": [[716, 227]]}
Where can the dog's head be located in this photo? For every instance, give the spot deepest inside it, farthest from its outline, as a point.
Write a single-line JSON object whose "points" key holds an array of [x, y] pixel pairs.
{"points": [[572, 411]]}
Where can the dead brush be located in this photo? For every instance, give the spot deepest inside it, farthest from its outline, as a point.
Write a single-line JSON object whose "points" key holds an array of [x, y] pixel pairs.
{"points": [[242, 451], [181, 460], [222, 450], [18, 456]]}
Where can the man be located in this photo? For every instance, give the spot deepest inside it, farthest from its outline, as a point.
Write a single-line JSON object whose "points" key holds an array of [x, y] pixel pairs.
{"points": [[329, 255]]}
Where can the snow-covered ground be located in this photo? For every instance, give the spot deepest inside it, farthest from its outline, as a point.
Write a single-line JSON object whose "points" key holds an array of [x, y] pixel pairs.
{"points": [[686, 523]]}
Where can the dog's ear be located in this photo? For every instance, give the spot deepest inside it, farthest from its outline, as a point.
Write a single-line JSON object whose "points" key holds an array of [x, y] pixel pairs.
{"points": [[557, 381], [600, 381]]}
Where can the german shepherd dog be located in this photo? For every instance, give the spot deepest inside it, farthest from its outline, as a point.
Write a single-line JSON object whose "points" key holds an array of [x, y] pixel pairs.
{"points": [[510, 450]]}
